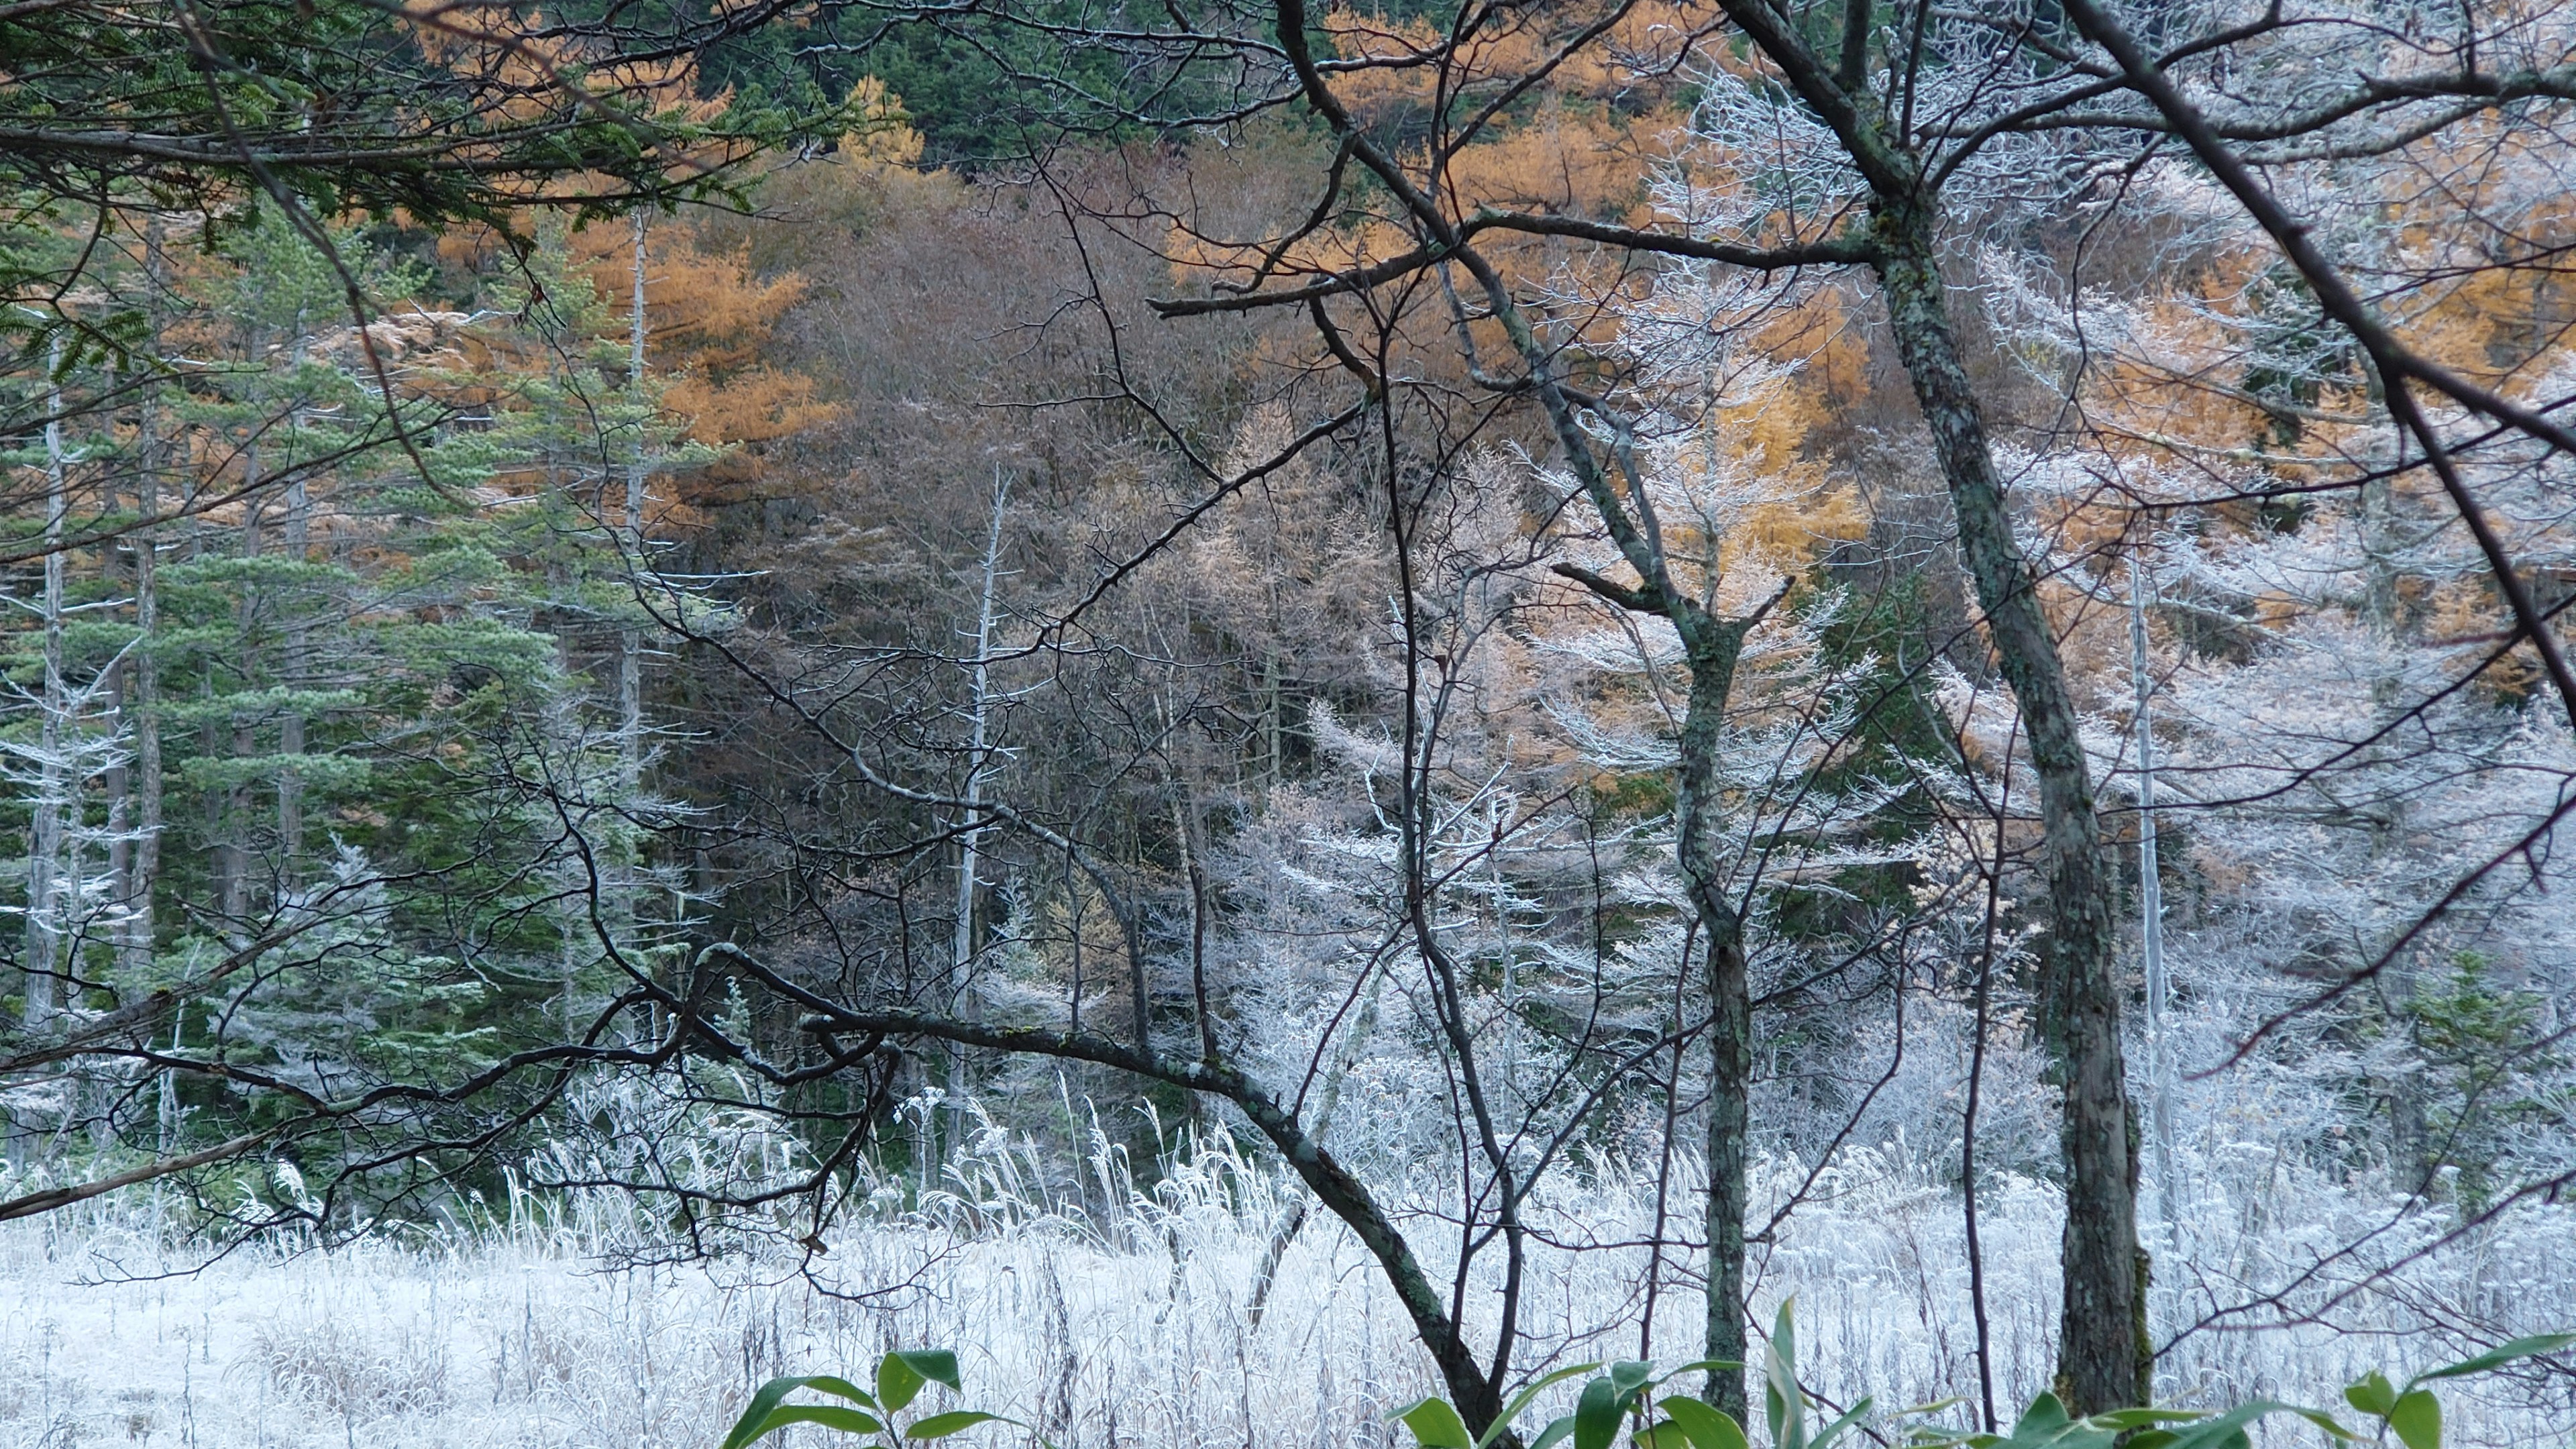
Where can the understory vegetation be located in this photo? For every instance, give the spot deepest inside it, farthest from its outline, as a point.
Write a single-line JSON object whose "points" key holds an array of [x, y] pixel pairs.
{"points": [[1123, 1318]]}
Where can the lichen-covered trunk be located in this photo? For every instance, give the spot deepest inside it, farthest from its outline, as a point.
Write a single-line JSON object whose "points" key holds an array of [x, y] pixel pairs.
{"points": [[1713, 647], [2102, 1363], [1730, 1075]]}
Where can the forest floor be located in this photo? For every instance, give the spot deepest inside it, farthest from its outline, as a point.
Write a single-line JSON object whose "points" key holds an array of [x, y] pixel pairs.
{"points": [[1126, 1327]]}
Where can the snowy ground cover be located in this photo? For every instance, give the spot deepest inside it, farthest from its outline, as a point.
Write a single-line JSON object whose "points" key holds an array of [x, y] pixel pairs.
{"points": [[1134, 1325]]}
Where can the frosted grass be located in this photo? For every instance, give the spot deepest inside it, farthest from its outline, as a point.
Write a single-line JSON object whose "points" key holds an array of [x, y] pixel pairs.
{"points": [[1129, 1326]]}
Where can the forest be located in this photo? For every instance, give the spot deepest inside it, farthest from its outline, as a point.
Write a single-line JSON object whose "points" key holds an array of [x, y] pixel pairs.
{"points": [[1081, 723]]}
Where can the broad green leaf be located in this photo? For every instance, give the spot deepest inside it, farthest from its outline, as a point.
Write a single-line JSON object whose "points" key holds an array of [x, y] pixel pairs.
{"points": [[2498, 1356], [1834, 1430], [1435, 1425], [2417, 1419], [897, 1381], [1628, 1376], [1522, 1399], [2225, 1431], [1661, 1434], [775, 1392], [744, 1428], [940, 1426], [935, 1364], [843, 1387], [1708, 1428], [2147, 1418], [2041, 1421], [1555, 1432], [830, 1416], [2372, 1393], [2045, 1425], [2077, 1434], [1596, 1415], [901, 1374]]}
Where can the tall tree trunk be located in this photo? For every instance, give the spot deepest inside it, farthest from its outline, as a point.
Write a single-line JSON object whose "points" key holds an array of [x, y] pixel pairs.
{"points": [[1712, 649], [291, 675], [1509, 952], [626, 887], [295, 641], [145, 877], [2151, 912], [970, 836], [2102, 1357], [143, 703], [44, 859], [117, 782], [1712, 646], [118, 779], [230, 807]]}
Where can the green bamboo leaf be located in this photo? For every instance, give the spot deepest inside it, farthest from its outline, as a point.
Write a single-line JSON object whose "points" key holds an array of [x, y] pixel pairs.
{"points": [[2226, 1431], [1781, 1402], [1708, 1428], [1596, 1415], [901, 1374], [843, 1387], [935, 1364], [1435, 1425], [2327, 1422], [1628, 1376], [2372, 1394], [2417, 1419], [1834, 1430], [2146, 1418], [897, 1382], [773, 1393], [745, 1428], [830, 1416], [2041, 1422], [2498, 1356], [940, 1426], [1661, 1434], [1522, 1399]]}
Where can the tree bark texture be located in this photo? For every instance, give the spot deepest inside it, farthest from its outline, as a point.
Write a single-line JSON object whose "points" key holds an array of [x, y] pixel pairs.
{"points": [[1713, 646]]}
